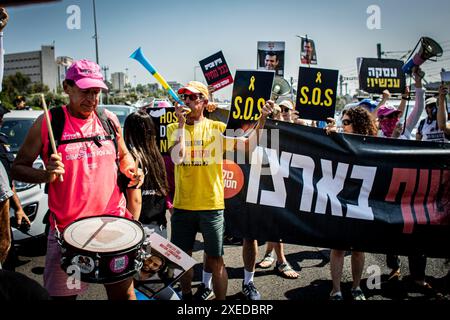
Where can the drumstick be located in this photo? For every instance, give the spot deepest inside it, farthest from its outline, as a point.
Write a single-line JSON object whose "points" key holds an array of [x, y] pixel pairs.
{"points": [[105, 222], [50, 130]]}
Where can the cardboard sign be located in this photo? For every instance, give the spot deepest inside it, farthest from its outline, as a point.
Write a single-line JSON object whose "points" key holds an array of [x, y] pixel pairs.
{"points": [[216, 71], [316, 93], [165, 264], [271, 56], [308, 54], [162, 117], [251, 90], [376, 75]]}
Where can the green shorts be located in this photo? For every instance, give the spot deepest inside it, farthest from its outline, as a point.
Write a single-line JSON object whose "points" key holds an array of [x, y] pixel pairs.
{"points": [[211, 224]]}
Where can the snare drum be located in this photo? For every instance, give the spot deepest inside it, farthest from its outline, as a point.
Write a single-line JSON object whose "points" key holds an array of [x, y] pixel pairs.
{"points": [[105, 249]]}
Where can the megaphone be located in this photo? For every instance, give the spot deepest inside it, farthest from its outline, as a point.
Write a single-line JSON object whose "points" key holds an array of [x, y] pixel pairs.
{"points": [[428, 49], [280, 87]]}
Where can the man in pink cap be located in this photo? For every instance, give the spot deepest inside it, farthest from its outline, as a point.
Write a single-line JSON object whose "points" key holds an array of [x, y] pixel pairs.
{"points": [[88, 157]]}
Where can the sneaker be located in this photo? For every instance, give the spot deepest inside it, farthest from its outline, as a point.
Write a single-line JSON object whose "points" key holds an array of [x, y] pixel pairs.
{"points": [[250, 291], [203, 293], [357, 294], [337, 296]]}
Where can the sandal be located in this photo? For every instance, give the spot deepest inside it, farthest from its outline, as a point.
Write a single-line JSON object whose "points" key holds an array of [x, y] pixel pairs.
{"points": [[285, 270], [267, 262]]}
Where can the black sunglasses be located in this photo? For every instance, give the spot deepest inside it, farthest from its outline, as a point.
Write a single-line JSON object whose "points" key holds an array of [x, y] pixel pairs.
{"points": [[346, 122], [192, 96]]}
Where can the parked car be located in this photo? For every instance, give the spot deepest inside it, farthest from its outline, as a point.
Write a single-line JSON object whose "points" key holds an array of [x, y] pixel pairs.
{"points": [[121, 111], [33, 198]]}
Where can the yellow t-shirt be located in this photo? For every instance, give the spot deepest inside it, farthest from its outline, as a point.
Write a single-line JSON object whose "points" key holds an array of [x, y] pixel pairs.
{"points": [[199, 179]]}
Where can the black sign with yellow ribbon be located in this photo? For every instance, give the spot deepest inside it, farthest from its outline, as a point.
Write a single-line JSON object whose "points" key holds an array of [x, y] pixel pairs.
{"points": [[251, 90], [316, 93]]}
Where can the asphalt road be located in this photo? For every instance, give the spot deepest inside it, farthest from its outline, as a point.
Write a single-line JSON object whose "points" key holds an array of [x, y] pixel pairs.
{"points": [[313, 284]]}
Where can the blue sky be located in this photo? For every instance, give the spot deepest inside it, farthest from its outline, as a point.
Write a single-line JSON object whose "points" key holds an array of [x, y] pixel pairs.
{"points": [[175, 35]]}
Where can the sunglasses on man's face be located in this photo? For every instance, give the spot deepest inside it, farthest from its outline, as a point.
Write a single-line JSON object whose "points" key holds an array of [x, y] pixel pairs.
{"points": [[346, 122], [285, 109], [192, 96]]}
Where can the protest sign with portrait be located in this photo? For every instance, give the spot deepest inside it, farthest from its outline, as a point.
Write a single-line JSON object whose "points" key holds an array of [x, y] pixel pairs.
{"points": [[308, 54], [271, 56], [164, 265]]}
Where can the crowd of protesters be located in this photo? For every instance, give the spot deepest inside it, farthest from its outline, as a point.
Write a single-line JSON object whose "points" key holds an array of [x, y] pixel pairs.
{"points": [[193, 190]]}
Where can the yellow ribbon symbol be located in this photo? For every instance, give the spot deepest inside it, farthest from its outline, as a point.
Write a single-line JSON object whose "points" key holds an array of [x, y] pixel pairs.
{"points": [[252, 84], [319, 77]]}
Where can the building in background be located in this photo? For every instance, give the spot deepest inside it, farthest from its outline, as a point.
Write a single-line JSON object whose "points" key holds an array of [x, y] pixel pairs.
{"points": [[63, 63], [119, 80], [40, 66], [153, 87], [175, 85]]}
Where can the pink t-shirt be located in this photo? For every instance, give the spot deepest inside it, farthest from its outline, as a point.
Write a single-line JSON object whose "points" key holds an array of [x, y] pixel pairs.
{"points": [[90, 181]]}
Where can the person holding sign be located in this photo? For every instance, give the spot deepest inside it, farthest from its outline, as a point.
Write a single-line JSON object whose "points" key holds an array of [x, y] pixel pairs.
{"points": [[282, 266], [196, 145], [357, 121]]}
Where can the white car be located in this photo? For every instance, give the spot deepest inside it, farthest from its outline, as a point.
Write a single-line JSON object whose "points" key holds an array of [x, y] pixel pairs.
{"points": [[33, 198], [121, 111]]}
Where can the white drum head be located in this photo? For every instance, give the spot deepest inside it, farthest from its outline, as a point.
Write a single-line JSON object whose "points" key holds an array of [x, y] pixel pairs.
{"points": [[103, 234]]}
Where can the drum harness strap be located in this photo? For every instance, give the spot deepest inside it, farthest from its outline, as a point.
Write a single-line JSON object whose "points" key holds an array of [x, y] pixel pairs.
{"points": [[58, 121]]}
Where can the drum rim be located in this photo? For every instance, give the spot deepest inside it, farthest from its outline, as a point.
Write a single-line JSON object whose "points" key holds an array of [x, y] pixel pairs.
{"points": [[134, 247]]}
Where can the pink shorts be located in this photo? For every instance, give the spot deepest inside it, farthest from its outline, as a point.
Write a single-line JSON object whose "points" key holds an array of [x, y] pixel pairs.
{"points": [[56, 281]]}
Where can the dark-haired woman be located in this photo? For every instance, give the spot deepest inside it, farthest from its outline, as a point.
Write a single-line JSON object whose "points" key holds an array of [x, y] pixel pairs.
{"points": [[148, 203], [357, 121]]}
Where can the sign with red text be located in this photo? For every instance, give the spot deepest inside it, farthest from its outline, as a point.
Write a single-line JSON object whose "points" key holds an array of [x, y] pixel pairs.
{"points": [[344, 191], [216, 71], [164, 265]]}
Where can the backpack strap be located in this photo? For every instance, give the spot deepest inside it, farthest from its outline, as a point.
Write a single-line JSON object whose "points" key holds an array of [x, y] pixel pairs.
{"points": [[110, 128], [58, 120]]}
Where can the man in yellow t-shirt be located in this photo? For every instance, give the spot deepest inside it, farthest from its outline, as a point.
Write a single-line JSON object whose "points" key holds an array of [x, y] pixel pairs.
{"points": [[196, 145]]}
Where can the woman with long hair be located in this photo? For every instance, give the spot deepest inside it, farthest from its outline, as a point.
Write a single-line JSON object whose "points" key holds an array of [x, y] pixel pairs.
{"points": [[147, 204]]}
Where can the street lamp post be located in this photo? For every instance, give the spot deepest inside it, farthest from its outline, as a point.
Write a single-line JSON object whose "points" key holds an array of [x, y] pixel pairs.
{"points": [[195, 72], [96, 34]]}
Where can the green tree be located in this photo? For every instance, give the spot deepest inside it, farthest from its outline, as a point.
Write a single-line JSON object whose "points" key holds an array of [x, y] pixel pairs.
{"points": [[14, 85], [38, 87]]}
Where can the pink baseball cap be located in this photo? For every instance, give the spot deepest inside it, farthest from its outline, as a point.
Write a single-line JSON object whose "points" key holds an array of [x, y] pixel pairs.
{"points": [[86, 74], [385, 110], [163, 104]]}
